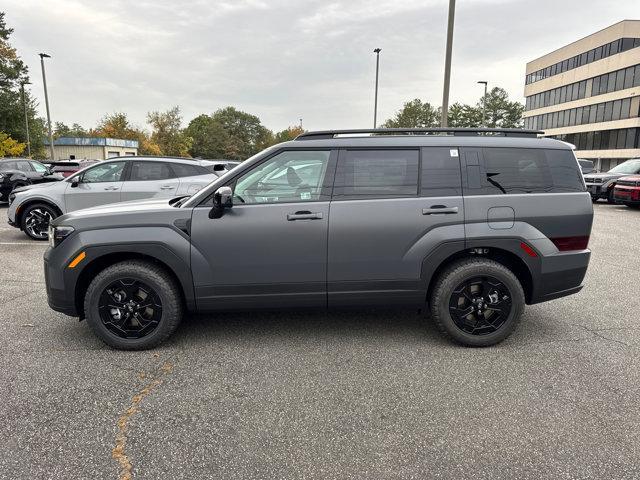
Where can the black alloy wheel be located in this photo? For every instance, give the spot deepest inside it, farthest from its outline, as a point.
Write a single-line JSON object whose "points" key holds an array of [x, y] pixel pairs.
{"points": [[130, 308], [480, 305]]}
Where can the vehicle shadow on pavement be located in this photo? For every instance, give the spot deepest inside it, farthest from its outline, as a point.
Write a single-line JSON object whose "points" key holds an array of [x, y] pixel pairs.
{"points": [[342, 324]]}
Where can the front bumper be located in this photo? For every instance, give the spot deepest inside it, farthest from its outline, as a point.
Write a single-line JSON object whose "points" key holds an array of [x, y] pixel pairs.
{"points": [[597, 190], [60, 294], [627, 194]]}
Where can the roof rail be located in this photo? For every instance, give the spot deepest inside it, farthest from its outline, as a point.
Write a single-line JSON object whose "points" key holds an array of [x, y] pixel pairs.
{"points": [[505, 132]]}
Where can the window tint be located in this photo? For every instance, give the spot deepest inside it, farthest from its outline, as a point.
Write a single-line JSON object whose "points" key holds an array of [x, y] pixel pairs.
{"points": [[106, 172], [184, 170], [38, 167], [377, 173], [7, 166], [291, 176], [440, 176], [24, 166], [528, 170], [147, 171]]}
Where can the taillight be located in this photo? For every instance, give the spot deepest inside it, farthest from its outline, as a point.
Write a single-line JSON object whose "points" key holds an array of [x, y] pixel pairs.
{"points": [[565, 244]]}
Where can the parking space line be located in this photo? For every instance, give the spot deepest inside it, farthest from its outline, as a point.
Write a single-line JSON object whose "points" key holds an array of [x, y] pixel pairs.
{"points": [[24, 243]]}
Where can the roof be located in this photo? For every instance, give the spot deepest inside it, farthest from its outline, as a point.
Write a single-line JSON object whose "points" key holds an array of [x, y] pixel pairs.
{"points": [[93, 142]]}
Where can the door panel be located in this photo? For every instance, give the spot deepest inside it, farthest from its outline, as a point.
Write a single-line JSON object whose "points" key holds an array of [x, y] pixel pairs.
{"points": [[99, 185], [254, 256], [149, 179], [376, 247]]}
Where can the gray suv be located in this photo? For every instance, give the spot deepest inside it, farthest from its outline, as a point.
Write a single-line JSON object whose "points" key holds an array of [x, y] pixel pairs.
{"points": [[469, 224]]}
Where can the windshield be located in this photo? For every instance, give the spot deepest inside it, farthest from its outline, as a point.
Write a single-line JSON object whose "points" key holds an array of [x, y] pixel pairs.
{"points": [[630, 166]]}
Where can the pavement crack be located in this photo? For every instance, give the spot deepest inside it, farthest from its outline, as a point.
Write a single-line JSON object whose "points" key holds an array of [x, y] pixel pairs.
{"points": [[596, 333], [119, 452]]}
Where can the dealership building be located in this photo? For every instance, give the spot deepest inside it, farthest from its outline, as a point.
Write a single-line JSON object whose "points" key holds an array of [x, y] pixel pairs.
{"points": [[588, 93], [92, 148]]}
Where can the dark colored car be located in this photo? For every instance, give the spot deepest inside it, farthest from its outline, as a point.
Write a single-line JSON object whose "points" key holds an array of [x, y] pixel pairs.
{"points": [[586, 166], [66, 169], [627, 191], [471, 225], [19, 172], [601, 185]]}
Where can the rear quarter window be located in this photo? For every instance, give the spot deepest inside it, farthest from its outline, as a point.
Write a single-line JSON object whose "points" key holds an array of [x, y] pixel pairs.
{"points": [[525, 170]]}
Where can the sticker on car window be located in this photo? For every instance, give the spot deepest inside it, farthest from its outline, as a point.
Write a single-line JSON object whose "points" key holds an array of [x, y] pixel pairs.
{"points": [[453, 152]]}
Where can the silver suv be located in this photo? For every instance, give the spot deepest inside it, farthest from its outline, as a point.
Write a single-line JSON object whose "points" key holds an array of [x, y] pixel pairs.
{"points": [[32, 207], [470, 225]]}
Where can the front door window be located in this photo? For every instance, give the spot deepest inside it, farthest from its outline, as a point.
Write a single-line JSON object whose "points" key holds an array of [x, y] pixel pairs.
{"points": [[290, 176]]}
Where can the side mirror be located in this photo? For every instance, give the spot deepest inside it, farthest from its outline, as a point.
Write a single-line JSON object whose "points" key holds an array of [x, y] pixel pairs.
{"points": [[223, 198], [75, 182]]}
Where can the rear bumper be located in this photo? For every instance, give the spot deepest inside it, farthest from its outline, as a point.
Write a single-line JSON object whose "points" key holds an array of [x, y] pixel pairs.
{"points": [[560, 275]]}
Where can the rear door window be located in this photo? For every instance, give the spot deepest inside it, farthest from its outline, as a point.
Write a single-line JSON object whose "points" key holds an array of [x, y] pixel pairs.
{"points": [[440, 175], [526, 170], [149, 171], [377, 174], [184, 170]]}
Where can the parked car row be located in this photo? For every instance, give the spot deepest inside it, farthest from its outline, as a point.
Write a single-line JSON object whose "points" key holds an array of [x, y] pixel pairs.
{"points": [[32, 205], [618, 185], [20, 172]]}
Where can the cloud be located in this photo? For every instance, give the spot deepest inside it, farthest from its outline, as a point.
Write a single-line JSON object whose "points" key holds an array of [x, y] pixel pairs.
{"points": [[284, 59]]}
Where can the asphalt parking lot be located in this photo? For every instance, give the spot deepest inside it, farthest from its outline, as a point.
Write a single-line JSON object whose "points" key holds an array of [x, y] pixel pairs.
{"points": [[372, 395]]}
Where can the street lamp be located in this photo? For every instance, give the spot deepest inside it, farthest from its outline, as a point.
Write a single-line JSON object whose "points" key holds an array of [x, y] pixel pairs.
{"points": [[375, 104], [484, 103], [46, 101], [447, 64], [26, 117]]}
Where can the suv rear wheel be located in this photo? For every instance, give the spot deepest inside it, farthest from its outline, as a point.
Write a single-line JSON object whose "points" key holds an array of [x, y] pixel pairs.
{"points": [[477, 302], [133, 305], [35, 220]]}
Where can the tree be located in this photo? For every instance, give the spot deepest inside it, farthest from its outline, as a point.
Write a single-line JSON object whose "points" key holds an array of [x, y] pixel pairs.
{"points": [[116, 125], [62, 130], [414, 114], [13, 72], [167, 132], [461, 115], [287, 134], [10, 147], [247, 135], [501, 112], [210, 139]]}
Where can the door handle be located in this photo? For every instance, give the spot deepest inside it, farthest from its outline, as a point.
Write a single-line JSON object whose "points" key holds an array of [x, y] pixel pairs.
{"points": [[304, 215], [439, 209], [111, 188], [167, 187]]}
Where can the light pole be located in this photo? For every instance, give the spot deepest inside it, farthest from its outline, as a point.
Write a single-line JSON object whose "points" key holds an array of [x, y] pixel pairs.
{"points": [[46, 101], [375, 102], [447, 63], [26, 117], [484, 103]]}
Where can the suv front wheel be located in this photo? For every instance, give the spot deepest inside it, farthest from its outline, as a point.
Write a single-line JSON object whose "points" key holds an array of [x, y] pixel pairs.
{"points": [[133, 305], [477, 302], [35, 220]]}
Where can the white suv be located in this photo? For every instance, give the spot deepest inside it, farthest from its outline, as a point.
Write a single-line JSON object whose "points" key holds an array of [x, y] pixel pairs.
{"points": [[116, 180]]}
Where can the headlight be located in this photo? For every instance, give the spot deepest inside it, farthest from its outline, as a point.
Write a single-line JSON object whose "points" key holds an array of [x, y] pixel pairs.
{"points": [[58, 234]]}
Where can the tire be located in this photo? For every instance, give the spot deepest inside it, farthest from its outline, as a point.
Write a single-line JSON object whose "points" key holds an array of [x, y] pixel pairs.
{"points": [[447, 289], [35, 220], [634, 206], [151, 277]]}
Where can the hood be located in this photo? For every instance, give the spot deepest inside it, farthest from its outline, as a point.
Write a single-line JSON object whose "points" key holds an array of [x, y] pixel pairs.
{"points": [[605, 175], [134, 214], [33, 186]]}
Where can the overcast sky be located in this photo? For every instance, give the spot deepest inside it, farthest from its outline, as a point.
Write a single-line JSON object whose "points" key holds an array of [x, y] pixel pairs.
{"points": [[285, 59]]}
